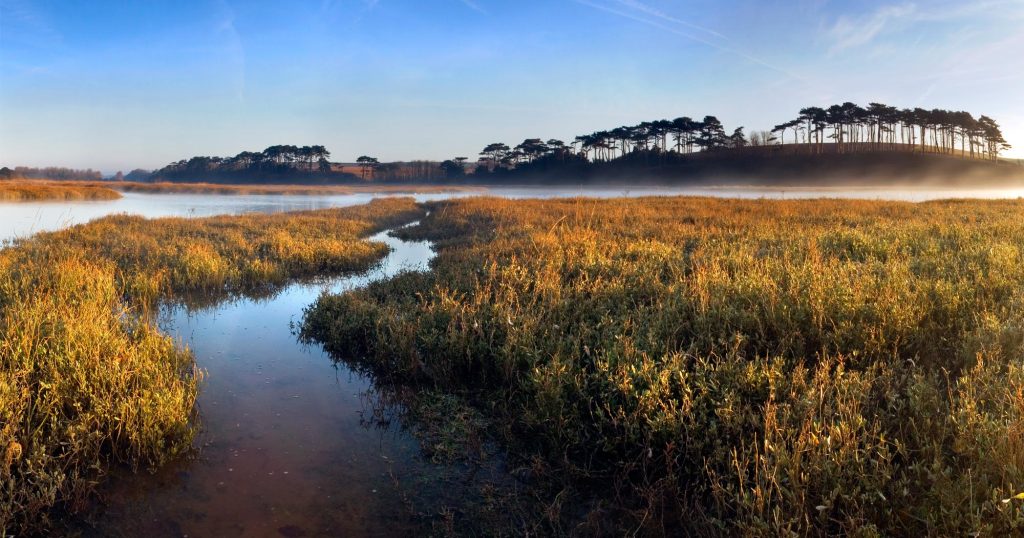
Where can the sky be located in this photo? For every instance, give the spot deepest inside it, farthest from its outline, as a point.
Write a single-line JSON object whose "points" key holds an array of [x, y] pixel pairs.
{"points": [[116, 85]]}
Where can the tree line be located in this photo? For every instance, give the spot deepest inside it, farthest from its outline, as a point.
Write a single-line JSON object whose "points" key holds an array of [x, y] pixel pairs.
{"points": [[845, 128], [841, 128], [882, 127], [50, 172], [275, 160]]}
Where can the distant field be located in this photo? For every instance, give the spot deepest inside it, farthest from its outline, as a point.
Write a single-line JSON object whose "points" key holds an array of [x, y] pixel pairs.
{"points": [[35, 191]]}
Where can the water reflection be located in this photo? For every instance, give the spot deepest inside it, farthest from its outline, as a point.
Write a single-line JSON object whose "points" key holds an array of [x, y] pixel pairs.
{"points": [[292, 444]]}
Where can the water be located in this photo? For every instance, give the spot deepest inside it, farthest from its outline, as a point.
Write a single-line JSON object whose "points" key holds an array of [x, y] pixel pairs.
{"points": [[25, 218], [288, 445], [22, 219]]}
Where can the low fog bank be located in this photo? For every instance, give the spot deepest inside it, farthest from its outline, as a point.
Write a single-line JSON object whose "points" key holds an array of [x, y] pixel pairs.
{"points": [[814, 171]]}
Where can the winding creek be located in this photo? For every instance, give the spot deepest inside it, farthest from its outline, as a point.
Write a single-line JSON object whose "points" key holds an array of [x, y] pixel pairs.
{"points": [[290, 444]]}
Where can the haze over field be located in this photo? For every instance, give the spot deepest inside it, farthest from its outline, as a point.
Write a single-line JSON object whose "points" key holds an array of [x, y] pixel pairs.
{"points": [[113, 86]]}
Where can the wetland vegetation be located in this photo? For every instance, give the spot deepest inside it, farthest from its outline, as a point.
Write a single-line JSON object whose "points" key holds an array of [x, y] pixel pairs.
{"points": [[36, 191], [704, 366], [87, 380]]}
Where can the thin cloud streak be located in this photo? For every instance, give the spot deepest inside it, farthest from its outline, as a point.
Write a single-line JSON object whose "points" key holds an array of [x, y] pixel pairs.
{"points": [[234, 49], [658, 14], [474, 6], [850, 32], [688, 35]]}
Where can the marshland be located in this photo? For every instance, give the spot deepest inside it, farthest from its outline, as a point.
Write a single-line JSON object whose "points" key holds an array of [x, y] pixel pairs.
{"points": [[544, 268], [738, 366]]}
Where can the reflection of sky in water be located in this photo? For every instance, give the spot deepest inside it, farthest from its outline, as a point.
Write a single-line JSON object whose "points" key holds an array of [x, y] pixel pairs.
{"points": [[285, 445], [22, 219]]}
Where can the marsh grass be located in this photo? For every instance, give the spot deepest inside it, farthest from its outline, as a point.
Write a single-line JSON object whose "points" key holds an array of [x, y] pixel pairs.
{"points": [[706, 366], [86, 379], [215, 257], [82, 383], [37, 191]]}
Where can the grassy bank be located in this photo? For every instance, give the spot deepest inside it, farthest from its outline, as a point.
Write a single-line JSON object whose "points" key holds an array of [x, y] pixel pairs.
{"points": [[38, 191], [714, 367], [82, 383], [87, 381], [220, 256]]}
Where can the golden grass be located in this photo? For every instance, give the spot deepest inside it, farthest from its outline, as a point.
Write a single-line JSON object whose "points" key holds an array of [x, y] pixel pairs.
{"points": [[82, 383], [37, 191], [86, 380], [724, 367], [217, 256]]}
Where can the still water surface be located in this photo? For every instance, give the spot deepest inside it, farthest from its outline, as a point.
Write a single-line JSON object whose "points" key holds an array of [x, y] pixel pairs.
{"points": [[288, 446]]}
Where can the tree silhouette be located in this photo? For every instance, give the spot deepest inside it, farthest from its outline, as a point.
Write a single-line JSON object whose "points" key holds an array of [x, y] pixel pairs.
{"points": [[453, 169], [495, 154], [366, 167]]}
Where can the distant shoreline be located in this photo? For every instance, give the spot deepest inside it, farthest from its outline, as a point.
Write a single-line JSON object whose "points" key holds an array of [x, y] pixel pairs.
{"points": [[56, 187]]}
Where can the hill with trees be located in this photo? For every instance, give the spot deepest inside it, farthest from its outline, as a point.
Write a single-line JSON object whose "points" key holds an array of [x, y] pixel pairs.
{"points": [[278, 164], [843, 143], [847, 142]]}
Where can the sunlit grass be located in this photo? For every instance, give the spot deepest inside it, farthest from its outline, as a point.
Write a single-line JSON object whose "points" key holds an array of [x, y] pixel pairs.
{"points": [[709, 366], [86, 380], [36, 191]]}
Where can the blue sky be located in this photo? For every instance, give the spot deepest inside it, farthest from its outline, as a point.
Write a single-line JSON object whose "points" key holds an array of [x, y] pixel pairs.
{"points": [[115, 85]]}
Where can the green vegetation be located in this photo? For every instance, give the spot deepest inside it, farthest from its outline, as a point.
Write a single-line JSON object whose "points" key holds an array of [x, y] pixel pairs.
{"points": [[35, 191], [87, 381], [723, 367]]}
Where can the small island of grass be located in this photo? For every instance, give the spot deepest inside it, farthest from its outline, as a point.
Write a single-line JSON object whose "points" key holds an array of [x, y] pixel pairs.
{"points": [[40, 191]]}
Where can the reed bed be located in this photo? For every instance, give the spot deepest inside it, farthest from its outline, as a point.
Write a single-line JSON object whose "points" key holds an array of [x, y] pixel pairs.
{"points": [[87, 381], [39, 191], [667, 366]]}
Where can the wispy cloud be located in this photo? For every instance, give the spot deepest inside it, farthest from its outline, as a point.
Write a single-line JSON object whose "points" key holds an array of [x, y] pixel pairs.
{"points": [[473, 5], [849, 32], [642, 13], [660, 15], [27, 23], [233, 48], [852, 31]]}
